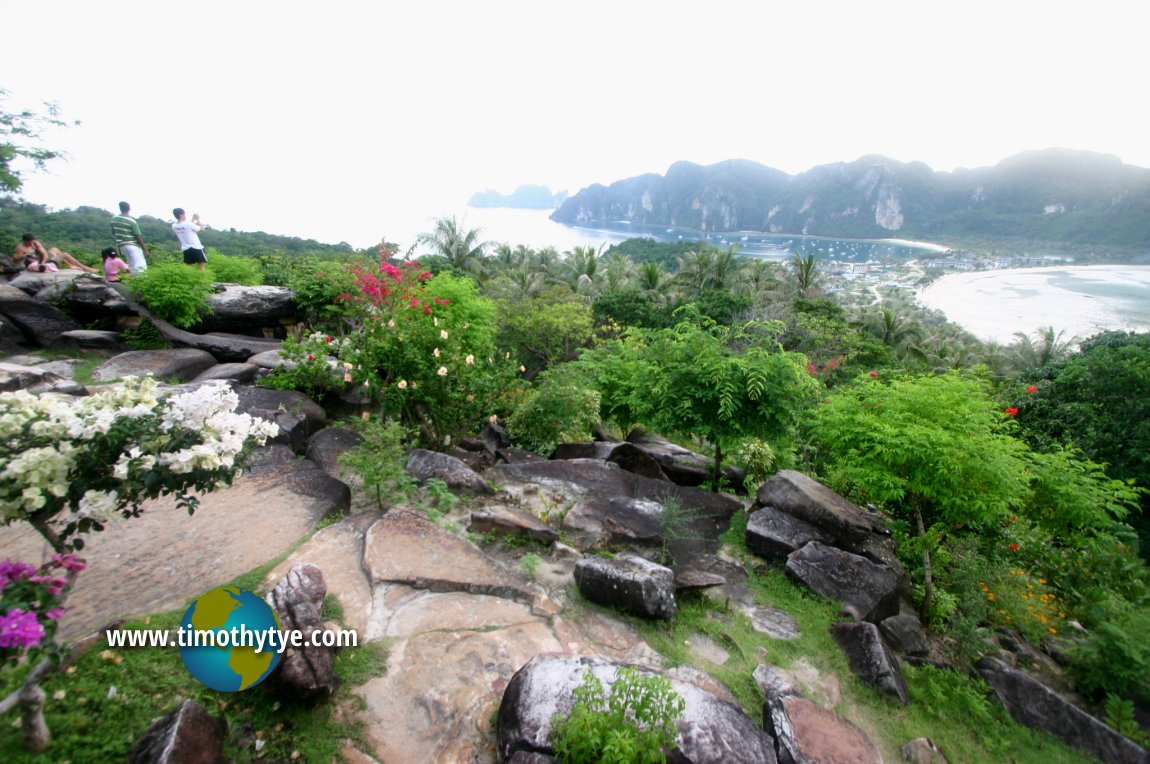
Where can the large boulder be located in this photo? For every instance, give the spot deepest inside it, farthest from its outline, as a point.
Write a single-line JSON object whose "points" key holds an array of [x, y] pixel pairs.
{"points": [[504, 520], [809, 500], [89, 339], [598, 522], [805, 732], [326, 446], [704, 515], [709, 730], [869, 590], [628, 583], [34, 379], [683, 466], [1035, 705], [184, 364], [39, 323], [773, 535], [242, 308], [298, 416], [870, 659], [905, 635], [426, 465]]}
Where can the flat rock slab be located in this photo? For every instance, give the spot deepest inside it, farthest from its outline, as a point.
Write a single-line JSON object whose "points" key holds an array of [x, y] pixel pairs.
{"points": [[404, 547], [800, 496], [868, 589], [807, 732], [164, 558], [505, 520], [184, 364], [773, 622]]}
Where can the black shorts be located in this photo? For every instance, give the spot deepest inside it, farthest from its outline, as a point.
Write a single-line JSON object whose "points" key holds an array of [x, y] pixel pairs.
{"points": [[193, 256]]}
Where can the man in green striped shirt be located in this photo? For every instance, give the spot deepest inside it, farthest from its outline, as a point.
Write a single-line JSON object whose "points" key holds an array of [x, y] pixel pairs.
{"points": [[129, 240]]}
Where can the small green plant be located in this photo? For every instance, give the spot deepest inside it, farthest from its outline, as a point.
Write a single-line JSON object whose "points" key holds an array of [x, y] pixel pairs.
{"points": [[380, 459], [144, 337], [176, 293], [759, 460], [530, 564], [444, 499], [635, 723], [1120, 716], [677, 524]]}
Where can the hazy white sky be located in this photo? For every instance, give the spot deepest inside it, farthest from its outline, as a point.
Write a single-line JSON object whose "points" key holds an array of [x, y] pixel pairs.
{"points": [[349, 120]]}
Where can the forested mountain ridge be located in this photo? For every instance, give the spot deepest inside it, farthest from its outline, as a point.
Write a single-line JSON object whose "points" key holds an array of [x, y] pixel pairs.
{"points": [[1057, 195]]}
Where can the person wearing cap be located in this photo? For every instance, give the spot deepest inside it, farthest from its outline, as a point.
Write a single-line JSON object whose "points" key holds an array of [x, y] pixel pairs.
{"points": [[128, 239], [36, 258], [113, 265], [189, 235]]}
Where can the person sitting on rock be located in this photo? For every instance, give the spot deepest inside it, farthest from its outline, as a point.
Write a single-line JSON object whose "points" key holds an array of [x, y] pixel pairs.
{"points": [[32, 253], [113, 265]]}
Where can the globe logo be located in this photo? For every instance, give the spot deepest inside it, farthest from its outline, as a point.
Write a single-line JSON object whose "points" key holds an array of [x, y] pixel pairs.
{"points": [[230, 639]]}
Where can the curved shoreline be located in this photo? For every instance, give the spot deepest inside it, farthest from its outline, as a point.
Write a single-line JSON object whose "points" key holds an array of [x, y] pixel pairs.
{"points": [[995, 304]]}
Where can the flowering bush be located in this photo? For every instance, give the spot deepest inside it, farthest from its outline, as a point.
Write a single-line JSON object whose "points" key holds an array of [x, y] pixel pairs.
{"points": [[423, 347], [67, 468], [30, 604]]}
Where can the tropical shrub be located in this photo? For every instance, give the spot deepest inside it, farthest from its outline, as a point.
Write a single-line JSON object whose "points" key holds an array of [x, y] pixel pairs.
{"points": [[178, 294], [635, 724], [424, 349], [557, 411], [380, 459], [234, 270]]}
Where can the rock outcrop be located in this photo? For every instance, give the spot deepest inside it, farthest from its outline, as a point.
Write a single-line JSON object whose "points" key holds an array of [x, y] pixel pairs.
{"points": [[628, 583]]}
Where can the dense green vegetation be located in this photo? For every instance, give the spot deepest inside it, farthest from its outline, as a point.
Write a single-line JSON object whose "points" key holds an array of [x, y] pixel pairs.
{"points": [[1014, 475]]}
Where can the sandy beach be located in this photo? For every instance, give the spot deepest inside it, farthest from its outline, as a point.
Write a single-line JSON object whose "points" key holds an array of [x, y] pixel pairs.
{"points": [[1081, 300]]}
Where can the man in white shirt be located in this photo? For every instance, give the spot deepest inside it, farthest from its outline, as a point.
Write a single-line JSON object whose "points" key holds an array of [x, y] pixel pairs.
{"points": [[189, 235]]}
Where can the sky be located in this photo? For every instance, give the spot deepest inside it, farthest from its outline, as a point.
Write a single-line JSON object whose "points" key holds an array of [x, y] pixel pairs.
{"points": [[351, 121]]}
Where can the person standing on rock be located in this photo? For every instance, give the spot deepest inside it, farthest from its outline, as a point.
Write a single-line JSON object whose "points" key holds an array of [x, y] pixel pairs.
{"points": [[128, 239], [189, 235]]}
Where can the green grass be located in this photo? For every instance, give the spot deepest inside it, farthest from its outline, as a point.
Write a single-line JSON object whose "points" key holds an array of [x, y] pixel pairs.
{"points": [[91, 722]]}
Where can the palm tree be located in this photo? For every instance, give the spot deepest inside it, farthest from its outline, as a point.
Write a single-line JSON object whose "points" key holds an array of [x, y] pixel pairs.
{"points": [[890, 329], [583, 271], [462, 249], [806, 278], [695, 270], [1046, 347], [652, 280], [758, 280]]}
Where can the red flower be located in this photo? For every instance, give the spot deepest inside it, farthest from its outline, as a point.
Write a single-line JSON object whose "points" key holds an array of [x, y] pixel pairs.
{"points": [[310, 357], [1014, 547], [1011, 411], [874, 373], [1032, 390], [327, 339]]}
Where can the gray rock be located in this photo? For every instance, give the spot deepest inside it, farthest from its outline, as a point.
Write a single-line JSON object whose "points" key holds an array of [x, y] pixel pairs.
{"points": [[186, 735], [593, 450], [922, 750], [326, 446], [303, 672], [427, 465], [525, 757], [710, 731], [405, 547], [302, 477], [905, 635], [268, 359], [610, 522], [39, 323], [184, 364], [683, 466], [503, 520], [778, 624], [806, 733], [240, 308], [86, 299], [799, 496], [237, 372], [870, 659], [628, 583], [773, 535], [89, 339], [867, 589], [1034, 705], [35, 379], [297, 415]]}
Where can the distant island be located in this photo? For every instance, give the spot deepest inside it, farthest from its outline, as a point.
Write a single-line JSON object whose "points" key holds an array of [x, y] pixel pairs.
{"points": [[527, 197], [1056, 195]]}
